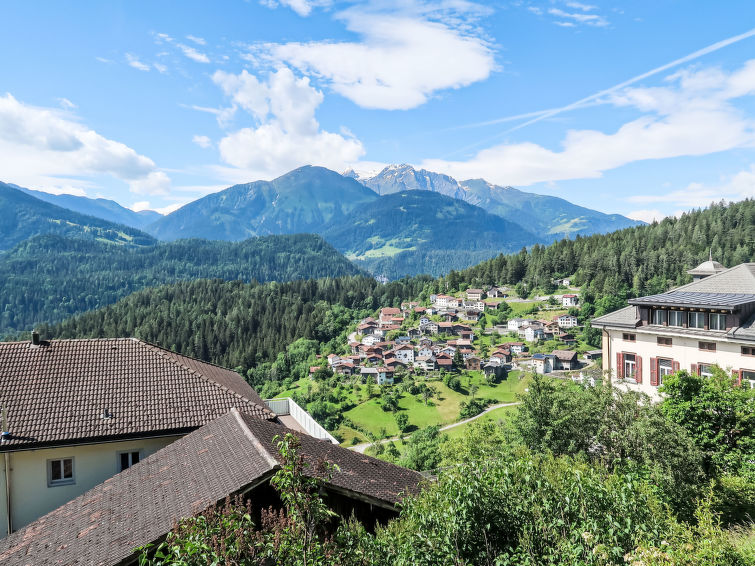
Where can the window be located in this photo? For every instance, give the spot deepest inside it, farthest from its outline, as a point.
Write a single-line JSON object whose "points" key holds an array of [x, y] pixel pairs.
{"points": [[705, 370], [660, 317], [748, 378], [663, 341], [748, 351], [60, 472], [717, 321], [630, 366], [665, 367], [629, 337], [707, 346], [127, 459], [676, 318], [696, 320]]}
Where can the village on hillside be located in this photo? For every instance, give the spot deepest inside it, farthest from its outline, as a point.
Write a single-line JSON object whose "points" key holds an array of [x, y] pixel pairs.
{"points": [[451, 333]]}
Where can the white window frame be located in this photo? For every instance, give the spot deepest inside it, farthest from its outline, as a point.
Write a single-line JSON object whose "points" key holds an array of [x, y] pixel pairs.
{"points": [[720, 321], [675, 314], [748, 376], [63, 480], [118, 454], [630, 367], [705, 372], [697, 316], [664, 370]]}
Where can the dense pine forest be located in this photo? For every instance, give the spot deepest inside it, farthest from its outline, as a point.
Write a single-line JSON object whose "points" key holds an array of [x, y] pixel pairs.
{"points": [[49, 278], [238, 324], [629, 262]]}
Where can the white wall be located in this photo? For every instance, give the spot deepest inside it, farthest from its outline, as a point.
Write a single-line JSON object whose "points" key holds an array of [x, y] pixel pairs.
{"points": [[684, 349], [30, 495]]}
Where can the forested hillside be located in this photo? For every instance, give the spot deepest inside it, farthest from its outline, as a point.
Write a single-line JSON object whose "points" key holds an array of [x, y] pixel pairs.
{"points": [[633, 261], [419, 223], [237, 324], [24, 216], [49, 278]]}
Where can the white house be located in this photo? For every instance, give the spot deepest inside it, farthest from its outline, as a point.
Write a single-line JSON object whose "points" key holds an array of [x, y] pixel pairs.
{"points": [[515, 324], [569, 300], [567, 321], [77, 412], [424, 351], [706, 322], [533, 333], [404, 354]]}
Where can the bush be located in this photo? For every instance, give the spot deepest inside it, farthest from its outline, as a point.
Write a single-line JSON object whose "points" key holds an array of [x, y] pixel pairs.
{"points": [[473, 407]]}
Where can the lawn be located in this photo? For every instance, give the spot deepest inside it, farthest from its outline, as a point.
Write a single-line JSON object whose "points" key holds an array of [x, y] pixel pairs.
{"points": [[441, 410]]}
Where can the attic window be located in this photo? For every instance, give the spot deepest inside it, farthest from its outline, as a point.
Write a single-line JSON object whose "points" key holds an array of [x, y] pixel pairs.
{"points": [[60, 472], [629, 337]]}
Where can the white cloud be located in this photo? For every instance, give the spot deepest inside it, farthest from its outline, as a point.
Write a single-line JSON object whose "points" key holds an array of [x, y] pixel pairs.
{"points": [[134, 62], [139, 206], [301, 7], [580, 6], [402, 59], [692, 116], [155, 183], [103, 60], [39, 146], [66, 104], [646, 215], [286, 134], [735, 187], [193, 54], [197, 40], [202, 141], [582, 18], [160, 67]]}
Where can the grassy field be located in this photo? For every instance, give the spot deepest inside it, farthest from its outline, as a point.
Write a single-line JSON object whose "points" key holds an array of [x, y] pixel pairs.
{"points": [[441, 410]]}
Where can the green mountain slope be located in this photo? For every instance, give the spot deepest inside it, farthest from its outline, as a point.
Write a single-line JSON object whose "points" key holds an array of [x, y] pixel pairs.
{"points": [[302, 200], [101, 208], [49, 278], [23, 216], [426, 226]]}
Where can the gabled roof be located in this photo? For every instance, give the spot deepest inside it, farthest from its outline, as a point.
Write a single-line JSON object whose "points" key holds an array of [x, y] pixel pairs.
{"points": [[55, 393], [141, 504], [565, 355], [626, 317], [738, 279]]}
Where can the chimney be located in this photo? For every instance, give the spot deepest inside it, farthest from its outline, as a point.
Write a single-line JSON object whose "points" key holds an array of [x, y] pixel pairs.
{"points": [[34, 338]]}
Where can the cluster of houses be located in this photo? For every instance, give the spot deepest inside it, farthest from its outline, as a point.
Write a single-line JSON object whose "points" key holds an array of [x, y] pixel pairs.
{"points": [[432, 344]]}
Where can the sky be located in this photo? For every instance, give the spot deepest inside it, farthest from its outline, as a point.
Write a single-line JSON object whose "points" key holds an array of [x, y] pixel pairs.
{"points": [[643, 108]]}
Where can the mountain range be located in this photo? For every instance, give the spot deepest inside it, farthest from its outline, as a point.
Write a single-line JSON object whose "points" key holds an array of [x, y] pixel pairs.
{"points": [[401, 221], [551, 218]]}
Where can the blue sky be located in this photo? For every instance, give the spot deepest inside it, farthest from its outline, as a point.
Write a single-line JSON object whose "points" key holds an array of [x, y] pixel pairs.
{"points": [[641, 108]]}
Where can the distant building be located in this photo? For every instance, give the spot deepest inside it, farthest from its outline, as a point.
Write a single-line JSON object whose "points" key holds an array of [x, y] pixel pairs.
{"points": [[570, 300]]}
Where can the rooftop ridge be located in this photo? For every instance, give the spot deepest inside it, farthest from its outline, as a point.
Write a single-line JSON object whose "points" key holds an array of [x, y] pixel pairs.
{"points": [[256, 443], [707, 280]]}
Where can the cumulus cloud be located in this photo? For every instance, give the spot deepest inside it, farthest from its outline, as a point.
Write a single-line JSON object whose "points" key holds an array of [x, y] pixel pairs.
{"points": [[402, 58], [286, 133], [38, 146], [693, 114]]}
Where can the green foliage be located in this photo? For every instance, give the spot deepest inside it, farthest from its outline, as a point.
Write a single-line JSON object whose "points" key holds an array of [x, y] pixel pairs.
{"points": [[241, 325], [717, 414], [49, 278], [629, 262], [473, 407], [402, 422], [423, 449], [621, 429]]}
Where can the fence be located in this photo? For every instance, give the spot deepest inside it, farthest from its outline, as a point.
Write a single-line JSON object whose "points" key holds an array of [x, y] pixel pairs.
{"points": [[288, 406]]}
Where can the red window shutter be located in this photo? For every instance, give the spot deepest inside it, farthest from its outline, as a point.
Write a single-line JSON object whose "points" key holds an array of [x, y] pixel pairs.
{"points": [[620, 366], [737, 375], [638, 370], [674, 366], [694, 369], [654, 372]]}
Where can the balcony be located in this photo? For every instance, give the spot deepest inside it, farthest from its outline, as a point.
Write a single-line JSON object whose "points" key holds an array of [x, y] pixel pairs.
{"points": [[296, 418]]}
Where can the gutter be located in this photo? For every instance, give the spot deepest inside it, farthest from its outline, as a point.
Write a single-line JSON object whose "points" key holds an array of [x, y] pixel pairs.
{"points": [[7, 492]]}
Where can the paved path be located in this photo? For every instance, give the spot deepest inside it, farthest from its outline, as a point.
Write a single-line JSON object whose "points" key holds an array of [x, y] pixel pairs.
{"points": [[362, 447]]}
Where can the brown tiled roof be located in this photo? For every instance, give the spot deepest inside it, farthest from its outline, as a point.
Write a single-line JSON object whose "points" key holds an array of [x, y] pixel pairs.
{"points": [[141, 504], [55, 393], [565, 355]]}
